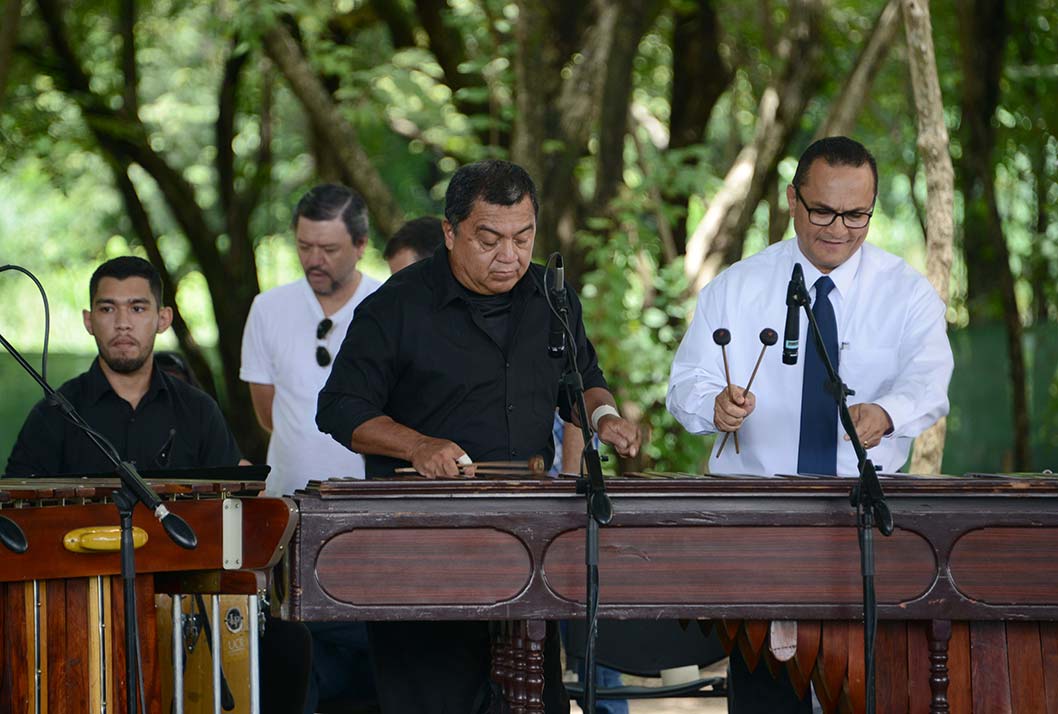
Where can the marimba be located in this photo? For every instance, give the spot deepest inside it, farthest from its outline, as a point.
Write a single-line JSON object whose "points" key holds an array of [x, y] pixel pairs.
{"points": [[61, 610], [967, 585]]}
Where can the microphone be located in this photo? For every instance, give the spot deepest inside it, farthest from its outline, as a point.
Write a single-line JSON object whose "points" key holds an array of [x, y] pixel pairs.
{"points": [[791, 337], [556, 338]]}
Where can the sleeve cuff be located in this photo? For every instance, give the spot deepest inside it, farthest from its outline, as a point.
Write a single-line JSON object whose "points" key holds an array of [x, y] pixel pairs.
{"points": [[899, 410]]}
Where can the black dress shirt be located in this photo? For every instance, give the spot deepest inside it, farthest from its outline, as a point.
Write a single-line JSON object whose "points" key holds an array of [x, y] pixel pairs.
{"points": [[175, 425], [420, 351]]}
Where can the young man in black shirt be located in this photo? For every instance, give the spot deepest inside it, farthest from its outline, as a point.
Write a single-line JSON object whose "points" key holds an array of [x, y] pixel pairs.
{"points": [[447, 362], [155, 420]]}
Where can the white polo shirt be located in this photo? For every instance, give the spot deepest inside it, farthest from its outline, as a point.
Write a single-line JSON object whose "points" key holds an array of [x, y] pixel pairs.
{"points": [[279, 348]]}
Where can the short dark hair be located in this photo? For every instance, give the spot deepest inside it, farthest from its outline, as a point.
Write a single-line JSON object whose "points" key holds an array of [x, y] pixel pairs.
{"points": [[836, 151], [498, 182], [420, 235], [123, 268], [329, 201]]}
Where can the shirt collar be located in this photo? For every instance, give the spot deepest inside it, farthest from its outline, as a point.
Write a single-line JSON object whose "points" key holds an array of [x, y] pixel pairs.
{"points": [[447, 288], [310, 298], [342, 314], [844, 276], [98, 385]]}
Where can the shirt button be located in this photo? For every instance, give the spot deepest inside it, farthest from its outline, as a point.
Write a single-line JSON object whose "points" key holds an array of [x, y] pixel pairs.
{"points": [[507, 365], [510, 407], [513, 452]]}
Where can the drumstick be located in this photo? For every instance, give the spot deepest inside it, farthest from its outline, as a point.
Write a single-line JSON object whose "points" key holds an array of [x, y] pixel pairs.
{"points": [[768, 337], [722, 337], [535, 467]]}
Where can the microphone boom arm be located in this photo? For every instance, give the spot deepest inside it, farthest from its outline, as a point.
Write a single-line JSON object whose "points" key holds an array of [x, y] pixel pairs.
{"points": [[866, 496]]}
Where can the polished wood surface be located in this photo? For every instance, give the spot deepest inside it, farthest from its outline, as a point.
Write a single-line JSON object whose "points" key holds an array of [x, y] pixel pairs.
{"points": [[967, 585], [970, 548], [58, 509], [80, 617]]}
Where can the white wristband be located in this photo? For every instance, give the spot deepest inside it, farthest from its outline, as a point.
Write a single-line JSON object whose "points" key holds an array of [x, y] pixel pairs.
{"points": [[464, 460], [599, 413]]}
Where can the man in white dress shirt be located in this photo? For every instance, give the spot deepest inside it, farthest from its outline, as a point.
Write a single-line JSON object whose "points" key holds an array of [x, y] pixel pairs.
{"points": [[886, 324]]}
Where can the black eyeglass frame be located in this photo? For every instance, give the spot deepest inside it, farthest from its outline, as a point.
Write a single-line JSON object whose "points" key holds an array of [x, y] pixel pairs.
{"points": [[812, 212]]}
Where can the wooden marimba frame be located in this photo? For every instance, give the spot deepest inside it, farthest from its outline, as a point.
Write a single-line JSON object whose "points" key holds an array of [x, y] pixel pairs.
{"points": [[967, 585], [61, 607]]}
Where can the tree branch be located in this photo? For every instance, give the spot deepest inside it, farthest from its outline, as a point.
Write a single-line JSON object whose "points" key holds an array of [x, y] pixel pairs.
{"points": [[141, 225], [841, 119], [129, 68], [401, 29], [335, 130], [224, 130], [719, 237], [616, 92]]}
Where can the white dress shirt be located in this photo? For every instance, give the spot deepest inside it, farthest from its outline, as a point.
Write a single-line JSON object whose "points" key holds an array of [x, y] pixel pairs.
{"points": [[893, 347]]}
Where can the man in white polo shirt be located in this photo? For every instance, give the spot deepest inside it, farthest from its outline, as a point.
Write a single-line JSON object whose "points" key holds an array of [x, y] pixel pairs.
{"points": [[294, 330], [291, 337]]}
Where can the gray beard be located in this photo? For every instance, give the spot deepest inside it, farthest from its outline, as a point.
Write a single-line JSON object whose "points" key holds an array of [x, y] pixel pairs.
{"points": [[328, 291]]}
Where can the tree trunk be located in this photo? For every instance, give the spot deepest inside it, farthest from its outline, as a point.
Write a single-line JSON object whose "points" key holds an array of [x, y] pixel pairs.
{"points": [[841, 119], [231, 278], [614, 96], [573, 78], [719, 236], [338, 132], [1039, 270], [12, 12], [141, 224], [699, 78], [933, 146], [990, 280], [448, 48]]}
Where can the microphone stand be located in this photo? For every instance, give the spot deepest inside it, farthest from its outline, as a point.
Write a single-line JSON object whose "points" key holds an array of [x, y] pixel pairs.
{"points": [[866, 496], [597, 501], [133, 490]]}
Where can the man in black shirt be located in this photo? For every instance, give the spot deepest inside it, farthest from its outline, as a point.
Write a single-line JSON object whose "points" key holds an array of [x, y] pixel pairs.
{"points": [[447, 362], [153, 419]]}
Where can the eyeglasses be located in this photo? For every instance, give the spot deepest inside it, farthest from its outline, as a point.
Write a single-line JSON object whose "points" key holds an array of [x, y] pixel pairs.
{"points": [[825, 216], [323, 357]]}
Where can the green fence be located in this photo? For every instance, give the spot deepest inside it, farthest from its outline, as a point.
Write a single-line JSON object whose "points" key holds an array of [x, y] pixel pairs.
{"points": [[980, 426]]}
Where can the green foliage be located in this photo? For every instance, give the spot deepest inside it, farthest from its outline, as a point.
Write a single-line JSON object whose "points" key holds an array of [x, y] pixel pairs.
{"points": [[636, 307], [60, 213]]}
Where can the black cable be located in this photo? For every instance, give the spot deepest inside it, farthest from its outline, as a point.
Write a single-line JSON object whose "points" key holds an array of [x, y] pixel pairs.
{"points": [[47, 317]]}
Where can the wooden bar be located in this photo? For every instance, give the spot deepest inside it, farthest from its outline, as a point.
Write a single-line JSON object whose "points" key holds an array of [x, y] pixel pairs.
{"points": [[988, 668]]}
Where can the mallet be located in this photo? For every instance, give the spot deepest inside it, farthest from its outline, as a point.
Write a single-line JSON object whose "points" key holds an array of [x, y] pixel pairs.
{"points": [[722, 337], [768, 337]]}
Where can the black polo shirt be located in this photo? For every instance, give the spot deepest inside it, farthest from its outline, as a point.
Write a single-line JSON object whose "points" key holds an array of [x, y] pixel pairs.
{"points": [[175, 425], [420, 351]]}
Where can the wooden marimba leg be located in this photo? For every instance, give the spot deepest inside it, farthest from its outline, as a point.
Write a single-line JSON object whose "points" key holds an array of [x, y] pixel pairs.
{"points": [[518, 665], [938, 635], [535, 633]]}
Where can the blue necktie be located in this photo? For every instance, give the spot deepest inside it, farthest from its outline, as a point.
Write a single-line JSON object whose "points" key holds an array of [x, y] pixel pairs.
{"points": [[817, 452]]}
